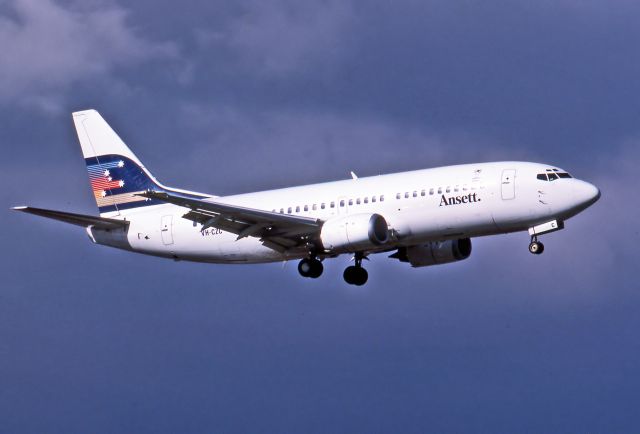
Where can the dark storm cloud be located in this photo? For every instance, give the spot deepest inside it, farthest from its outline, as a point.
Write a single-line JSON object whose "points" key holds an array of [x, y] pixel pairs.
{"points": [[49, 47], [230, 97]]}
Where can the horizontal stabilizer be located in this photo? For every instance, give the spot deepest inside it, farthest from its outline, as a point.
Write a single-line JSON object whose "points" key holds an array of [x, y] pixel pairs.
{"points": [[75, 219]]}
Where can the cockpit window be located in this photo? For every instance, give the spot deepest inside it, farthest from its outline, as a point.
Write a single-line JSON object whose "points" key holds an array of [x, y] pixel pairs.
{"points": [[552, 175]]}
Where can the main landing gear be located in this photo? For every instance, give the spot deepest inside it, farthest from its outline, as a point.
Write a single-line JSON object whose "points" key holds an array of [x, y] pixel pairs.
{"points": [[310, 267], [355, 274], [536, 247]]}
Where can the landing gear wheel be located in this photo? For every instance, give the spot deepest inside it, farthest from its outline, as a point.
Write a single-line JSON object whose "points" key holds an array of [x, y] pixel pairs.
{"points": [[355, 275], [316, 269], [310, 268], [349, 274], [536, 247]]}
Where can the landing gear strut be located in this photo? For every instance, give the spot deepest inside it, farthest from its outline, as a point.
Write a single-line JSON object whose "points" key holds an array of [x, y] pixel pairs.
{"points": [[355, 274], [536, 247], [310, 267]]}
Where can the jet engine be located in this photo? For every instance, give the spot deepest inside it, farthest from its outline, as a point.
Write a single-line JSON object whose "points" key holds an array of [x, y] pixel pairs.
{"points": [[352, 233], [434, 253]]}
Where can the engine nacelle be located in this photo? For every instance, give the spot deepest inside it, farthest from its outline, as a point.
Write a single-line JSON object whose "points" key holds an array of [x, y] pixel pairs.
{"points": [[353, 233], [438, 252]]}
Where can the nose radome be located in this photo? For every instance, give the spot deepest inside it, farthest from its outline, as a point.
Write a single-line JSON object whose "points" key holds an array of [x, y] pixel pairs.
{"points": [[586, 194]]}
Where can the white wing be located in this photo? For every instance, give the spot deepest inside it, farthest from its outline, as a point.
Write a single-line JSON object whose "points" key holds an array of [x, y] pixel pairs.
{"points": [[276, 231]]}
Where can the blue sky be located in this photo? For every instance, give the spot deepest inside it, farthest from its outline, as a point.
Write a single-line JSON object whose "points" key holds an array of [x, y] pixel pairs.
{"points": [[228, 98]]}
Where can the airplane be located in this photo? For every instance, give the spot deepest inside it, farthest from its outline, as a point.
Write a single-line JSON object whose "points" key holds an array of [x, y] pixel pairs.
{"points": [[422, 217]]}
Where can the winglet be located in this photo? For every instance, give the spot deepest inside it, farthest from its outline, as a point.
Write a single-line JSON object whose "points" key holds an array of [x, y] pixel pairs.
{"points": [[353, 175]]}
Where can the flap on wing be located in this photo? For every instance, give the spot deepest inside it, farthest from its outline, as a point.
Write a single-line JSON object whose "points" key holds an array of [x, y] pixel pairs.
{"points": [[75, 219], [273, 229]]}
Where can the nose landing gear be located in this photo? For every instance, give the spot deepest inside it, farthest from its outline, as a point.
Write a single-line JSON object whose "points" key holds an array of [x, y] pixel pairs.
{"points": [[310, 267], [536, 247], [355, 274]]}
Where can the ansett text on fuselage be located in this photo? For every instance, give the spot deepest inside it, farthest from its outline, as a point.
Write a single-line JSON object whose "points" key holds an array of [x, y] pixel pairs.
{"points": [[457, 200]]}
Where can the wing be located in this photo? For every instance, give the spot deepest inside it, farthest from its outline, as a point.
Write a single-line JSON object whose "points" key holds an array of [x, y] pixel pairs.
{"points": [[75, 219], [279, 232]]}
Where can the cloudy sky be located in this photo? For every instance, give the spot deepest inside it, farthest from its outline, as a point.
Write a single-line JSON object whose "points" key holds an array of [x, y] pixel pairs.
{"points": [[230, 97]]}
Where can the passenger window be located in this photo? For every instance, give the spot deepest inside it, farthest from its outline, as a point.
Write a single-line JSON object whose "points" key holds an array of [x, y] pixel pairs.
{"points": [[423, 193], [342, 203], [314, 207], [448, 190], [297, 209], [373, 199], [333, 204], [431, 191], [415, 194], [457, 188], [398, 195], [382, 198], [358, 201], [322, 205], [464, 187], [439, 190], [306, 207], [281, 210], [289, 210], [406, 195], [366, 200]]}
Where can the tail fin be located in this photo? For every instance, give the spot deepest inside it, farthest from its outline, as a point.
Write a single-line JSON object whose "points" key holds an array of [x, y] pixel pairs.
{"points": [[115, 173]]}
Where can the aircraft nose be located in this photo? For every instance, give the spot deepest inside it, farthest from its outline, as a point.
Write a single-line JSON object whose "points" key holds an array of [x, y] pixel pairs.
{"points": [[585, 194]]}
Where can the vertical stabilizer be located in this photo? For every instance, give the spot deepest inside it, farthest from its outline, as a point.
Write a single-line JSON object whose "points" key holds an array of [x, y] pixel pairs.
{"points": [[115, 173]]}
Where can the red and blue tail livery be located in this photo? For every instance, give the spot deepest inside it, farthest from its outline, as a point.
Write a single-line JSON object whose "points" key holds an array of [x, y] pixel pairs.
{"points": [[118, 178], [117, 183]]}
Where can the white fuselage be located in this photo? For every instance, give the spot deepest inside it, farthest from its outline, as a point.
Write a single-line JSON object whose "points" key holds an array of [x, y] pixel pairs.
{"points": [[420, 206]]}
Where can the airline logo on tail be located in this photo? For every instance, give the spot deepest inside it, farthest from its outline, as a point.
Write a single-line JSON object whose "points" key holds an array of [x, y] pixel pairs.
{"points": [[116, 181], [101, 178]]}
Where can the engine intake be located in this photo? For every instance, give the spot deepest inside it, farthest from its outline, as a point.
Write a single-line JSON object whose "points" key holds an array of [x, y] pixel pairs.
{"points": [[355, 232], [434, 253]]}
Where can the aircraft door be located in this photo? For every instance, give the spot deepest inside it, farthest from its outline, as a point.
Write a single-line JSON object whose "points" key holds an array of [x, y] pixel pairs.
{"points": [[508, 184], [166, 229]]}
